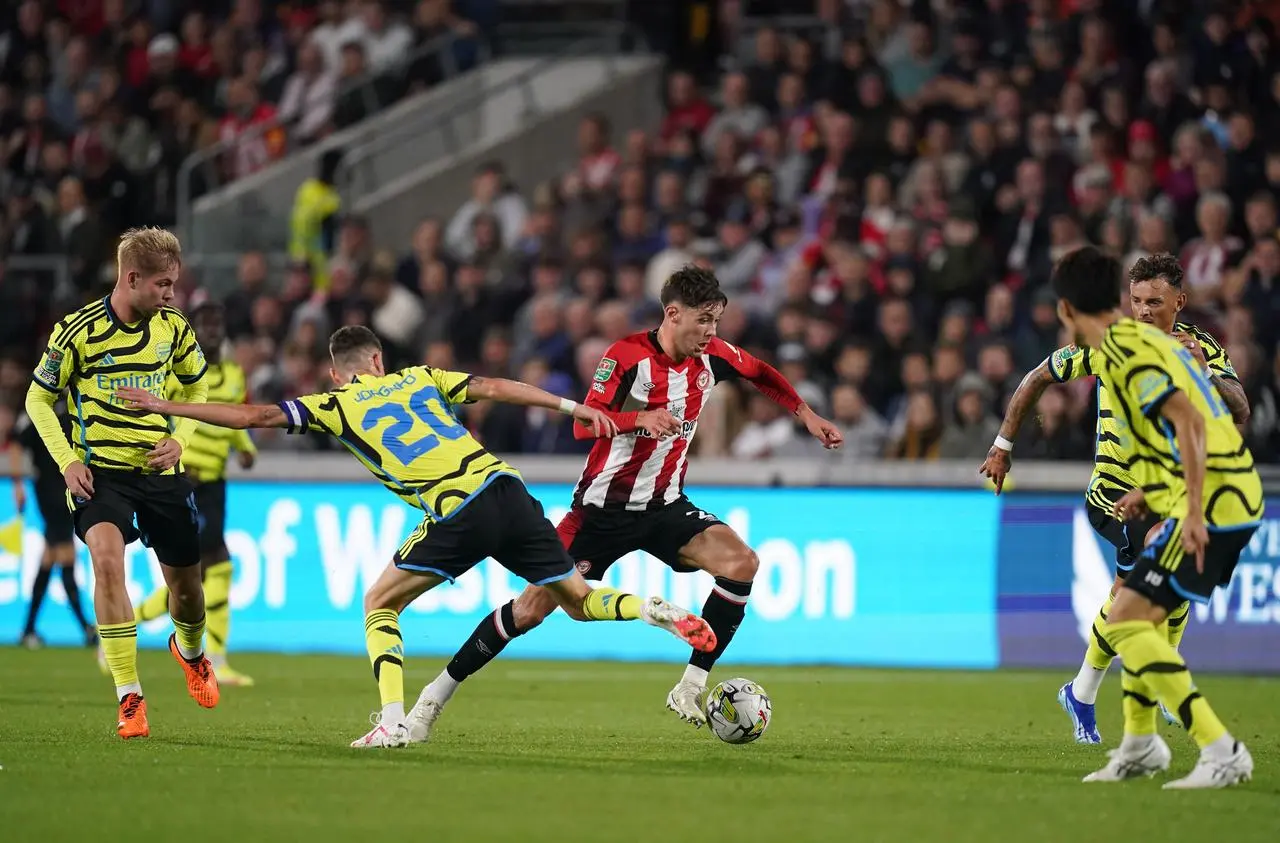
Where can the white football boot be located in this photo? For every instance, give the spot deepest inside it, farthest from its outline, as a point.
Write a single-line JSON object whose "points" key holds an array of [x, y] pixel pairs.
{"points": [[1213, 772], [422, 717], [383, 735], [683, 700], [1133, 761]]}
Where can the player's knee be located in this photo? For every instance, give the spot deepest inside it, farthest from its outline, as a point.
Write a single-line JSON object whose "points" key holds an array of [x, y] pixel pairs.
{"points": [[377, 600], [742, 566], [530, 613]]}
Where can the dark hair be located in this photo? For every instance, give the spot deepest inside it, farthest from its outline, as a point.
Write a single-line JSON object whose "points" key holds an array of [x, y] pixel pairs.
{"points": [[693, 286], [350, 340], [1162, 266], [1089, 280]]}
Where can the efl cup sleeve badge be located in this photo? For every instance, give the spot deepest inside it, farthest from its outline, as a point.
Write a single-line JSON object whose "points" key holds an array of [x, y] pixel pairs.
{"points": [[704, 379], [50, 366], [605, 370]]}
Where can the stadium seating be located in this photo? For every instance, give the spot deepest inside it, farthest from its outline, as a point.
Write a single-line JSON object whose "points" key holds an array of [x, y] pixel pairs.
{"points": [[882, 191]]}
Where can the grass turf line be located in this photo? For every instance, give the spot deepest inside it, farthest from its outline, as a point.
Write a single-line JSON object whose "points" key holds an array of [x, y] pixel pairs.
{"points": [[572, 752]]}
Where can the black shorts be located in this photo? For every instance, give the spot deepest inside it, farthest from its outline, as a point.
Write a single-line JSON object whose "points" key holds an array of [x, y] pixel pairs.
{"points": [[51, 500], [502, 521], [1128, 537], [1167, 575], [596, 537], [160, 509], [211, 510]]}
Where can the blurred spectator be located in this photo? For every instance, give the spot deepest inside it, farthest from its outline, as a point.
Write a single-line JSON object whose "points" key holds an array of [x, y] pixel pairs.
{"points": [[309, 95], [973, 426]]}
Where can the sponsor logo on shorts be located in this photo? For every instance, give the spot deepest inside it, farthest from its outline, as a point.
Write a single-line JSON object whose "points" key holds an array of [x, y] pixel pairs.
{"points": [[704, 379], [583, 567], [605, 369]]}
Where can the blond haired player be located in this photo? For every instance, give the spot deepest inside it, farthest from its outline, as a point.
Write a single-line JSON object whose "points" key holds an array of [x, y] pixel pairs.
{"points": [[123, 466]]}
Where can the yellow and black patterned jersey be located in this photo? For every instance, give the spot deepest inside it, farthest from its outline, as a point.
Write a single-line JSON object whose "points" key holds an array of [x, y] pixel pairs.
{"points": [[1111, 451], [210, 446], [1141, 368], [92, 353], [402, 427]]}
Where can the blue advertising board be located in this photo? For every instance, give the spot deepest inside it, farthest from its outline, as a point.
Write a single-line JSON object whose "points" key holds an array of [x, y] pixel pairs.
{"points": [[847, 576], [1055, 572]]}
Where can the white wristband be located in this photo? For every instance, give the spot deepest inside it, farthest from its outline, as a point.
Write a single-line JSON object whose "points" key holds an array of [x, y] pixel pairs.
{"points": [[567, 407], [1003, 444]]}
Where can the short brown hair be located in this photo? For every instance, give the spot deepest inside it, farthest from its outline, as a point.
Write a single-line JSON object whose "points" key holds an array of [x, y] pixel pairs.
{"points": [[148, 251], [350, 340], [1155, 267]]}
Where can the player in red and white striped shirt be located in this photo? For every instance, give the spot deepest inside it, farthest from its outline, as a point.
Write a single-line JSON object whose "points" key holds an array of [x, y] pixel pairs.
{"points": [[631, 494]]}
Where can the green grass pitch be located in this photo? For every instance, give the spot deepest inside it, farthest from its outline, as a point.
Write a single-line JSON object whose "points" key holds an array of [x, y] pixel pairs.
{"points": [[532, 751]]}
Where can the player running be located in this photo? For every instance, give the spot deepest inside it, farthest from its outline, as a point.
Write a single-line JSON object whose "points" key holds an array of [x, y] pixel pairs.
{"points": [[401, 426], [205, 460], [51, 500], [126, 463], [1156, 295], [1191, 468], [631, 493]]}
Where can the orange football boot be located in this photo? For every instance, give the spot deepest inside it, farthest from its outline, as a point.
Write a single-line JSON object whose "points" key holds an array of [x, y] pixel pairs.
{"points": [[133, 717], [202, 684]]}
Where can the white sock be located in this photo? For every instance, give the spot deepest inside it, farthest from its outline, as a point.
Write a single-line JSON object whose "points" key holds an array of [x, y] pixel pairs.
{"points": [[441, 688], [1087, 682], [1136, 742], [696, 675], [131, 688], [190, 654], [1223, 748], [393, 713]]}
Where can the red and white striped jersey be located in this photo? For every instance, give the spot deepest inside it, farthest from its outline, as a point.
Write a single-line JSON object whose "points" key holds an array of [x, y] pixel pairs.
{"points": [[634, 470]]}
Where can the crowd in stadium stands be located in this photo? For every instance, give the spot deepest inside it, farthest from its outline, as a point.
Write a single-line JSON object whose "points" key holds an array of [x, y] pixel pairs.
{"points": [[882, 198], [101, 102]]}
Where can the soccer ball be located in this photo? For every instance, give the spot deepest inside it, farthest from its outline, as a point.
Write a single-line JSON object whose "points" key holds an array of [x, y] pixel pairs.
{"points": [[738, 710]]}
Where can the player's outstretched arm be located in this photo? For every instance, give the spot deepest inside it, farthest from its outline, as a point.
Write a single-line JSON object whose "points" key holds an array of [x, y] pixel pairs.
{"points": [[234, 416], [773, 385], [517, 392], [1023, 400]]}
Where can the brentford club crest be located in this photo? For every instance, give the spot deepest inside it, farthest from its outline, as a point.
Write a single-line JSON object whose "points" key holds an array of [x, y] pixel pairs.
{"points": [[583, 567], [704, 379]]}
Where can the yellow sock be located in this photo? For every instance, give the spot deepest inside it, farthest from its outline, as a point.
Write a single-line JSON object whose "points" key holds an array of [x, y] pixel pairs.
{"points": [[155, 605], [1178, 624], [1099, 653], [190, 638], [1148, 656], [386, 651], [609, 604], [120, 646], [217, 607], [1139, 708]]}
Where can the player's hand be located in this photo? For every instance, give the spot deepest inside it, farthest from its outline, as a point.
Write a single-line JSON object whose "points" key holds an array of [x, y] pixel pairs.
{"points": [[1132, 505], [821, 429], [996, 466], [246, 458], [79, 480], [601, 424], [139, 399], [658, 423], [1195, 538], [1193, 345], [165, 455], [19, 494]]}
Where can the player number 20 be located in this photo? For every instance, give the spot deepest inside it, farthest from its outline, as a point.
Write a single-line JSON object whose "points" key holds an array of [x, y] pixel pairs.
{"points": [[393, 438]]}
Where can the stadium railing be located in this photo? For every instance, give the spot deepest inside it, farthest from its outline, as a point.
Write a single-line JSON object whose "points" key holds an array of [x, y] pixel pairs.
{"points": [[253, 212], [526, 117]]}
